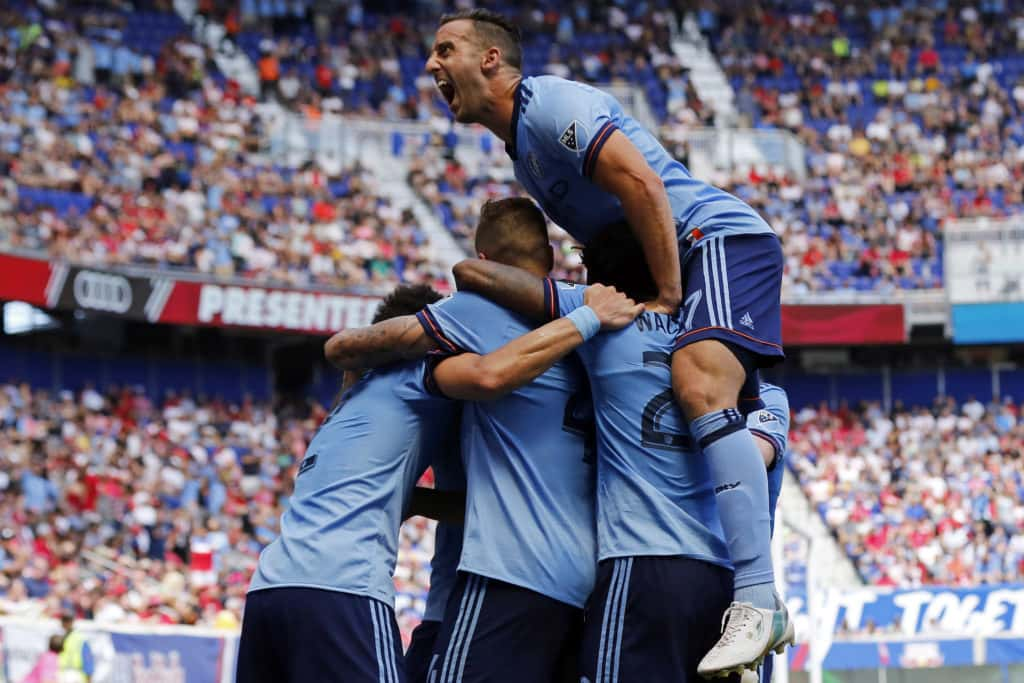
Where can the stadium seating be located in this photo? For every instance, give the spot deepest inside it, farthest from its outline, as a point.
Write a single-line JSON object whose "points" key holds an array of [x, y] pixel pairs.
{"points": [[174, 498], [911, 114], [919, 495], [456, 192], [149, 163], [130, 509], [373, 60], [885, 169]]}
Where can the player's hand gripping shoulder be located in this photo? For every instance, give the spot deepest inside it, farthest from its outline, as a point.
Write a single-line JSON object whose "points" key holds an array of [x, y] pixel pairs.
{"points": [[614, 309]]}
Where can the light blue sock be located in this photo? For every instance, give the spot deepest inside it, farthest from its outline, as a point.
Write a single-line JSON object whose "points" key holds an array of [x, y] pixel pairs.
{"points": [[741, 491]]}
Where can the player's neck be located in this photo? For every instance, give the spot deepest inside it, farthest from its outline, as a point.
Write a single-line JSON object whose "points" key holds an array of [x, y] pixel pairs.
{"points": [[498, 118]]}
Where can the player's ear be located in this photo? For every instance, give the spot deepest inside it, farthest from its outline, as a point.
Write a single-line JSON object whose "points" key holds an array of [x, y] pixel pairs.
{"points": [[491, 59], [481, 255]]}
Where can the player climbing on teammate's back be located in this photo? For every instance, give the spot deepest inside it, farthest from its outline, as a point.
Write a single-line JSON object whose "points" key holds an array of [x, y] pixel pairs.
{"points": [[593, 168]]}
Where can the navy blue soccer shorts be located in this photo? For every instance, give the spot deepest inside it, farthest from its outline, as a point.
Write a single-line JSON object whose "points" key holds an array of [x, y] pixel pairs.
{"points": [[652, 619], [299, 635], [421, 648], [732, 291], [495, 632]]}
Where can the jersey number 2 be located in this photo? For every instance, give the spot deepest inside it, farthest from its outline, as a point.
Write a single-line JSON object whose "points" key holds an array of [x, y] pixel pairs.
{"points": [[651, 434]]}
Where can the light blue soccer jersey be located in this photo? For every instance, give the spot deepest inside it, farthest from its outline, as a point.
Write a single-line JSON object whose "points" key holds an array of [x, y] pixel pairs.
{"points": [[529, 493], [448, 476], [340, 531], [772, 423], [654, 491], [558, 130]]}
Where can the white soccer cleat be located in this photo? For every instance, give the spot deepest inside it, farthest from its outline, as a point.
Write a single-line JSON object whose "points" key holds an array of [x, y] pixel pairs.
{"points": [[748, 635]]}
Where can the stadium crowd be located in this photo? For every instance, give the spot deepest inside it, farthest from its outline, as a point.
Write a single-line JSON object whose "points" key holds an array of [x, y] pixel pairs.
{"points": [[923, 495], [910, 113], [156, 131], [457, 189], [122, 508], [153, 162]]}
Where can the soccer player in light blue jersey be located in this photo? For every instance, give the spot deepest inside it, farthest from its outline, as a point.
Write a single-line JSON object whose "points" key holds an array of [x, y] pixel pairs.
{"points": [[659, 534], [594, 170], [320, 605], [529, 554]]}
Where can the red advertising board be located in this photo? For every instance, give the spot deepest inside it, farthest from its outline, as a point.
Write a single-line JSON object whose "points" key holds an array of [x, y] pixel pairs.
{"points": [[853, 324], [160, 297]]}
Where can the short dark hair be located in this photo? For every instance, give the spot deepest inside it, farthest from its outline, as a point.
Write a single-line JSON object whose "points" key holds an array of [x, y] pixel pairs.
{"points": [[405, 300], [616, 258], [513, 231], [494, 30]]}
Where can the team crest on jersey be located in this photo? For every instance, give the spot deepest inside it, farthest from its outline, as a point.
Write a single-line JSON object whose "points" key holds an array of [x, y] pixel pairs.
{"points": [[308, 463], [765, 416], [534, 163], [570, 138]]}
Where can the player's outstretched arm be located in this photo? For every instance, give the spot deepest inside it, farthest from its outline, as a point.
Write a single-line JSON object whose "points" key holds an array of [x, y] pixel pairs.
{"points": [[389, 341], [507, 286], [472, 377], [444, 506], [622, 170]]}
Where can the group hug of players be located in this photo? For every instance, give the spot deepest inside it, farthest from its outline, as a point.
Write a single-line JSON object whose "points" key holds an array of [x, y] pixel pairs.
{"points": [[606, 470]]}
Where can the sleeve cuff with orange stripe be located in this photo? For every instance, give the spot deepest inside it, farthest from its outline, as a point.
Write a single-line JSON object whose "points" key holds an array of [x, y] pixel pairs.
{"points": [[434, 331], [594, 148], [429, 381], [551, 309]]}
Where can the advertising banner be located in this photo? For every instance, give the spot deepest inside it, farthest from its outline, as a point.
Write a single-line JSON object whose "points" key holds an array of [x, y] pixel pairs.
{"points": [[127, 654], [843, 324], [164, 297], [991, 323], [911, 628]]}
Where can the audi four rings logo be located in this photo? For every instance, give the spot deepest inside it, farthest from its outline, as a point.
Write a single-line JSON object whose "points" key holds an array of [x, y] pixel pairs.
{"points": [[102, 291]]}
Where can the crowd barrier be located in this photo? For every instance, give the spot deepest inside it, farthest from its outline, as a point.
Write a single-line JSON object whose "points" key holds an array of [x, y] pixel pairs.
{"points": [[930, 628], [126, 654]]}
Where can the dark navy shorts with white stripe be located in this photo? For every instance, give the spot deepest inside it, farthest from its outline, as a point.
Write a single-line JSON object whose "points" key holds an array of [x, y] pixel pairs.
{"points": [[495, 632], [652, 619], [302, 635], [731, 292]]}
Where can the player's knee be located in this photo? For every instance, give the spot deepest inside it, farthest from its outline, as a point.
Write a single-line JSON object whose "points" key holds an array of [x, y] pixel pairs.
{"points": [[695, 396], [706, 378]]}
